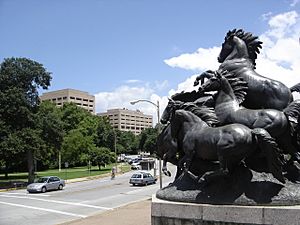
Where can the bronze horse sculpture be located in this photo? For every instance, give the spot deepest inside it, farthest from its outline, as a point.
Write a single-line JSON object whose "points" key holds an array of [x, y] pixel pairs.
{"points": [[167, 147], [228, 144], [238, 54], [278, 123]]}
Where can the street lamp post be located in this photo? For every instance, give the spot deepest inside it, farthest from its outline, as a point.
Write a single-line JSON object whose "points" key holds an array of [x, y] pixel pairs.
{"points": [[115, 147], [158, 121]]}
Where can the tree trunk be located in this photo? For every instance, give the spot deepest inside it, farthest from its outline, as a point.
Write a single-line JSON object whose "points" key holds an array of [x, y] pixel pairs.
{"points": [[30, 164], [99, 166], [6, 169]]}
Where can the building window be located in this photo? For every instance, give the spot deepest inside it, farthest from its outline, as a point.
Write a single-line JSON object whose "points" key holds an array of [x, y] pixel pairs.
{"points": [[79, 99], [72, 97]]}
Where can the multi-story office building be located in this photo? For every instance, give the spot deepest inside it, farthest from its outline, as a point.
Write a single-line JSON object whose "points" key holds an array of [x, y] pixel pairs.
{"points": [[80, 98], [128, 120]]}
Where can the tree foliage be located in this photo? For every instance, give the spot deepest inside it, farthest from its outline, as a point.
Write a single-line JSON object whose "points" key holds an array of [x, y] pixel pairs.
{"points": [[32, 131], [20, 79]]}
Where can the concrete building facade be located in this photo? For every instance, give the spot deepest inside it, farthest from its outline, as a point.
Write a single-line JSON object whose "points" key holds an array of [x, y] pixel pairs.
{"points": [[80, 98], [128, 120]]}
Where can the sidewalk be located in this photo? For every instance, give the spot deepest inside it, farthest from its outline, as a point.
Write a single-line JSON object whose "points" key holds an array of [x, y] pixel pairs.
{"points": [[138, 213]]}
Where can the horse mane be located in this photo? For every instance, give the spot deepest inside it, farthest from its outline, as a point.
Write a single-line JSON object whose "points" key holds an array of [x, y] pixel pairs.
{"points": [[205, 113], [188, 96], [238, 85], [252, 42]]}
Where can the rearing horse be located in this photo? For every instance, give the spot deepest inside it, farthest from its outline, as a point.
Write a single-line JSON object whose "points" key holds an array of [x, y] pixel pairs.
{"points": [[228, 144], [238, 55], [277, 123]]}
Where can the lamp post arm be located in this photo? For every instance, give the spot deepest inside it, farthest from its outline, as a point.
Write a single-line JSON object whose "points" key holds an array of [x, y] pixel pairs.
{"points": [[144, 100]]}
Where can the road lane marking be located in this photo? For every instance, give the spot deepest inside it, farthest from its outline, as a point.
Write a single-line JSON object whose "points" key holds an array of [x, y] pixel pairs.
{"points": [[26, 194], [57, 201], [43, 209]]}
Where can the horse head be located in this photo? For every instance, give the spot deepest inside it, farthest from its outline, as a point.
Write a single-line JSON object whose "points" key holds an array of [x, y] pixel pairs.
{"points": [[169, 110], [239, 44], [212, 84]]}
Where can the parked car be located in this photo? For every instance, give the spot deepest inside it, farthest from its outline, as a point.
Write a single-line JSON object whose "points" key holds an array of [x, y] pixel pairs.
{"points": [[44, 184], [135, 166], [135, 160], [142, 178]]}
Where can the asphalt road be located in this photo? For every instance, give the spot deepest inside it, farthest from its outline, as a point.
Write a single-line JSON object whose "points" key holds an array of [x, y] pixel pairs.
{"points": [[77, 200]]}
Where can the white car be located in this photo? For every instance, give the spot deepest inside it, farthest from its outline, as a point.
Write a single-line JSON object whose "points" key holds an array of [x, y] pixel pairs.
{"points": [[44, 184], [142, 178], [136, 166]]}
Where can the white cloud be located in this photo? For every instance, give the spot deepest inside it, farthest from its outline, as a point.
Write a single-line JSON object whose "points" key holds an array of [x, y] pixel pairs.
{"points": [[266, 16], [132, 81], [200, 60], [282, 25], [294, 3], [161, 85], [123, 95]]}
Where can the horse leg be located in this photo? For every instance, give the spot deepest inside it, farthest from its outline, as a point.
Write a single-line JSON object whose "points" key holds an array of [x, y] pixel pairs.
{"points": [[164, 168]]}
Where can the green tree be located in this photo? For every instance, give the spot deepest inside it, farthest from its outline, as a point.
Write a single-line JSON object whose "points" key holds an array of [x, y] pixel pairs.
{"points": [[74, 145], [20, 79], [49, 122], [129, 142], [105, 134], [101, 156], [148, 139], [72, 115]]}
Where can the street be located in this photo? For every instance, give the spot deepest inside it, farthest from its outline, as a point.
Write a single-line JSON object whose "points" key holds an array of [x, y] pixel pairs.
{"points": [[77, 200]]}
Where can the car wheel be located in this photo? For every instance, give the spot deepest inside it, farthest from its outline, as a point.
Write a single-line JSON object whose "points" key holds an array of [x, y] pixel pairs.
{"points": [[44, 189], [60, 187]]}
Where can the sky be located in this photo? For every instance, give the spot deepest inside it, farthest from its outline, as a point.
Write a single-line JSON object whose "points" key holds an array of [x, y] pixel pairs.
{"points": [[124, 50]]}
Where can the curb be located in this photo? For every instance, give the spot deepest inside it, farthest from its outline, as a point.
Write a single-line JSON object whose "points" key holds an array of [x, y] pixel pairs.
{"points": [[67, 181]]}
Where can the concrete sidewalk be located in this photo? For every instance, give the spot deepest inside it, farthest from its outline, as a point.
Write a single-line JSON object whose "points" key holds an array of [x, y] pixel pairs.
{"points": [[131, 214]]}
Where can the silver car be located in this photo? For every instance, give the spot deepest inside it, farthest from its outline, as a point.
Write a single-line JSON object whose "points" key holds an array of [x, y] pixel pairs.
{"points": [[44, 184], [142, 178]]}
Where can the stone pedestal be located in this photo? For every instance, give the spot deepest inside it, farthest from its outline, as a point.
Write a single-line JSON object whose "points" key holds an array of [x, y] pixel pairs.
{"points": [[178, 213]]}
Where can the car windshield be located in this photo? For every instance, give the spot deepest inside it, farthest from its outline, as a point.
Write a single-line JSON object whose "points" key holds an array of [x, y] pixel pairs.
{"points": [[42, 180], [136, 176]]}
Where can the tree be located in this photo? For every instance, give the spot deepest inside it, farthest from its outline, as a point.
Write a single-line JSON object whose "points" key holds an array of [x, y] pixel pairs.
{"points": [[20, 79], [74, 145], [129, 142], [49, 122], [72, 115], [101, 156], [148, 139], [105, 133]]}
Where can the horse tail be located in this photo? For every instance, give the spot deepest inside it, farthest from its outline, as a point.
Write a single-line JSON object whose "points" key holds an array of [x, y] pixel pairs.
{"points": [[271, 151], [295, 88]]}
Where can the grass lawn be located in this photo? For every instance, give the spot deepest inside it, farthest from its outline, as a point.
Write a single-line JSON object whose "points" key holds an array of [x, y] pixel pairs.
{"points": [[66, 174]]}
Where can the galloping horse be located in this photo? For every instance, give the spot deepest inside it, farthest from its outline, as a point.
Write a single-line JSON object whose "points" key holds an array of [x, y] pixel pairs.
{"points": [[238, 55], [167, 147], [277, 123], [228, 144]]}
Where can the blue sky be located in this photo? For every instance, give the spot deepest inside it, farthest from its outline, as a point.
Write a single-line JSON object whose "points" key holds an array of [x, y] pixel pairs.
{"points": [[121, 50]]}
